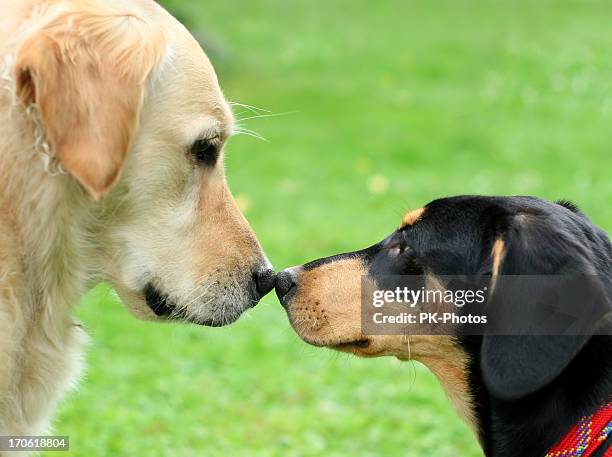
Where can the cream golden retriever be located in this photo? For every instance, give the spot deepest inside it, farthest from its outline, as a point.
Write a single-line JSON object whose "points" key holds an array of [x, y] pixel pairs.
{"points": [[112, 126]]}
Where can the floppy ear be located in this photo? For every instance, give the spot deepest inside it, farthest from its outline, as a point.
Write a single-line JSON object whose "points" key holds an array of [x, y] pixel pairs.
{"points": [[515, 365], [85, 69]]}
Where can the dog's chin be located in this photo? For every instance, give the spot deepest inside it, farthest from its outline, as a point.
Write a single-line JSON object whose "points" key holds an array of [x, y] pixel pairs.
{"points": [[152, 305], [360, 346], [215, 314], [222, 319]]}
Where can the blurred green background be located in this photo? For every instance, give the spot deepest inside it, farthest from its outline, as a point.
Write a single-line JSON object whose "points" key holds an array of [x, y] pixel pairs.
{"points": [[388, 105]]}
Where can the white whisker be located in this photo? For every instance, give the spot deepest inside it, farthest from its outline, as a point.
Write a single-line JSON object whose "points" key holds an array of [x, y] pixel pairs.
{"points": [[258, 116], [253, 109], [247, 132]]}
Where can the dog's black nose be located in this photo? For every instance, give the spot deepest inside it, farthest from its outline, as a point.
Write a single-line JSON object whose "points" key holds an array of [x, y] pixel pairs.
{"points": [[264, 280], [285, 285]]}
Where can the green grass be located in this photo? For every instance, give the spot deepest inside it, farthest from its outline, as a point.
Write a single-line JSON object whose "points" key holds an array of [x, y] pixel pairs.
{"points": [[393, 104]]}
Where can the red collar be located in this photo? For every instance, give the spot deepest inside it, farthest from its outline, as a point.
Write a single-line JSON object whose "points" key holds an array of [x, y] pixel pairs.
{"points": [[587, 435]]}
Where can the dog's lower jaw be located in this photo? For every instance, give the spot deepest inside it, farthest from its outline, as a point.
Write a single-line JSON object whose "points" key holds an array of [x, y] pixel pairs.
{"points": [[158, 302]]}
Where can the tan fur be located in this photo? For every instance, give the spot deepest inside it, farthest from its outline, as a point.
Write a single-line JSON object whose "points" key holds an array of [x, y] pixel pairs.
{"points": [[100, 60], [411, 217], [443, 356], [326, 308], [99, 103], [326, 311], [497, 255]]}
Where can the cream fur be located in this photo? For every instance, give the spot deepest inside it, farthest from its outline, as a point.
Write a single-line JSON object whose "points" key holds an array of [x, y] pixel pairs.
{"points": [[76, 210]]}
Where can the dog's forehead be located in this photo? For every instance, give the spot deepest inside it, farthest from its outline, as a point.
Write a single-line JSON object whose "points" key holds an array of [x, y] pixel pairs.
{"points": [[193, 80], [185, 92]]}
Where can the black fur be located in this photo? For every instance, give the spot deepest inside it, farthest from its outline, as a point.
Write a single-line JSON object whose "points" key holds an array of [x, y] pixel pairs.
{"points": [[524, 402], [569, 205], [540, 238]]}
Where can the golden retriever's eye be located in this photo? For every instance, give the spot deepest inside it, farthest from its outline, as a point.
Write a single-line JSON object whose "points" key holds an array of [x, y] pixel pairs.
{"points": [[205, 152]]}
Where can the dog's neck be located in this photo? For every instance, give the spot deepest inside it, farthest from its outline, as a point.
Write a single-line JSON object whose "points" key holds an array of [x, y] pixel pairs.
{"points": [[532, 425], [48, 213], [441, 355], [44, 268]]}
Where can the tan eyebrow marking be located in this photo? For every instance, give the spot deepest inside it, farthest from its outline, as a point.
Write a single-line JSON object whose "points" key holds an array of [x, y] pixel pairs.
{"points": [[497, 253], [411, 217]]}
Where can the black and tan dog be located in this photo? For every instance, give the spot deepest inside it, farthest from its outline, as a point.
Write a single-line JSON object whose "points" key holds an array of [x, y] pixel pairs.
{"points": [[520, 394]]}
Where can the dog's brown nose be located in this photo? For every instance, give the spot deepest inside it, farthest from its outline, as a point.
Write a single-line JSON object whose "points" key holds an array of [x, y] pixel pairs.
{"points": [[264, 280], [286, 282]]}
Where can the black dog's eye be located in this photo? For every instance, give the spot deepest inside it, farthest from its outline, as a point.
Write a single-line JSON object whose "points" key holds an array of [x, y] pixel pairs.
{"points": [[398, 248], [205, 152]]}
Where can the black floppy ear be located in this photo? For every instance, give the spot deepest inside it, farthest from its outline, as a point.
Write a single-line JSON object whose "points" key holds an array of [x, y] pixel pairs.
{"points": [[516, 364]]}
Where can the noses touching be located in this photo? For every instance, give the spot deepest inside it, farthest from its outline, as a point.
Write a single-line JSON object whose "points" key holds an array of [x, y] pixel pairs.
{"points": [[263, 280], [286, 285]]}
